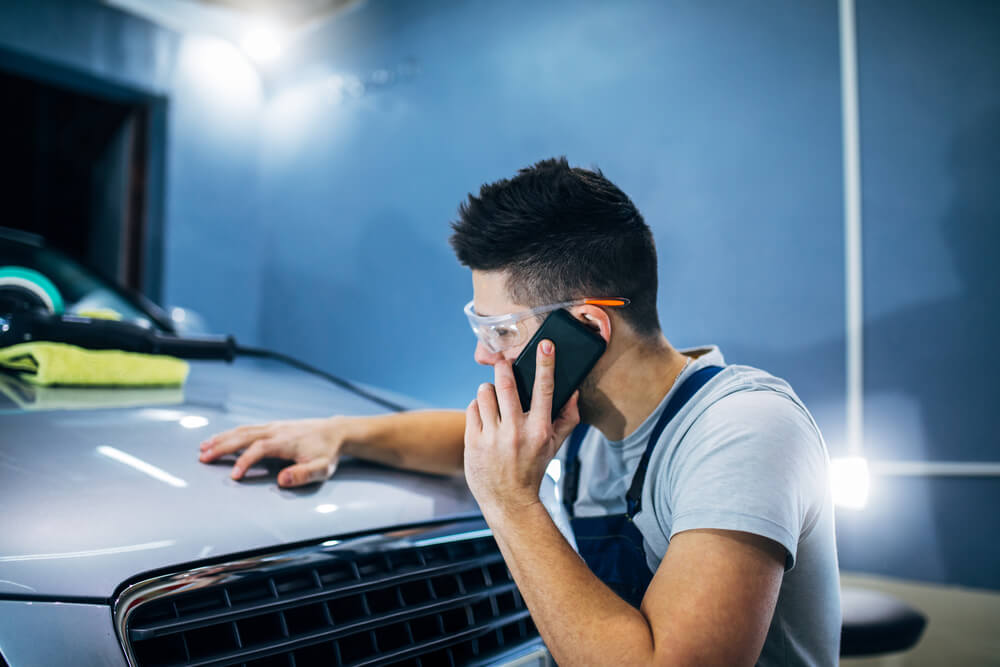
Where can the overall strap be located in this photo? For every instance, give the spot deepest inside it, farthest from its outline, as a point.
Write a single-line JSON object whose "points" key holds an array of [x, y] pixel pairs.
{"points": [[572, 472], [684, 393]]}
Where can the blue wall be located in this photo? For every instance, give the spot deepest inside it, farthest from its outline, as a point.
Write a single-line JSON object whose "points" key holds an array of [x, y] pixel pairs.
{"points": [[723, 126], [314, 220], [930, 138]]}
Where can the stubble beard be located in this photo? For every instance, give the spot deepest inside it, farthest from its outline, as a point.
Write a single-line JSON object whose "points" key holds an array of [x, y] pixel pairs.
{"points": [[596, 407], [587, 401]]}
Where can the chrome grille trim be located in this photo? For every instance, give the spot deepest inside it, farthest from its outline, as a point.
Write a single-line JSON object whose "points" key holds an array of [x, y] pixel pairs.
{"points": [[236, 613], [391, 561]]}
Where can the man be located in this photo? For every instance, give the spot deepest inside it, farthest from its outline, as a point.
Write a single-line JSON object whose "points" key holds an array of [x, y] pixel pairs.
{"points": [[698, 493]]}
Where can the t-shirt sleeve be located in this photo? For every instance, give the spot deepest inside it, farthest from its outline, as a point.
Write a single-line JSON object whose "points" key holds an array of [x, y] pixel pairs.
{"points": [[752, 462]]}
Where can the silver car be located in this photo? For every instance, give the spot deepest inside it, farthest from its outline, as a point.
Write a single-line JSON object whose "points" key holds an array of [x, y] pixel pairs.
{"points": [[118, 547]]}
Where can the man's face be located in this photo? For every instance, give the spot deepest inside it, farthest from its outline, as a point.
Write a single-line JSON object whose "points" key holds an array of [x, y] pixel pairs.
{"points": [[490, 297], [489, 294]]}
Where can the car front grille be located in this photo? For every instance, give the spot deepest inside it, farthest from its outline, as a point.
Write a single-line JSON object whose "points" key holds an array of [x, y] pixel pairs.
{"points": [[438, 596]]}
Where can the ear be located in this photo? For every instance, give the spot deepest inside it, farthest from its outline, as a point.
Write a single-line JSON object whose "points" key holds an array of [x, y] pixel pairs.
{"points": [[596, 319]]}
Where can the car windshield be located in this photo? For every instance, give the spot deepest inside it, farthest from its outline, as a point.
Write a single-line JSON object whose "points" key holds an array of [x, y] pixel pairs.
{"points": [[82, 290]]}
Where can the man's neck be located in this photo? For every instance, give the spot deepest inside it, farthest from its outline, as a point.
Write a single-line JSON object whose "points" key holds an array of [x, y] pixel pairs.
{"points": [[633, 385]]}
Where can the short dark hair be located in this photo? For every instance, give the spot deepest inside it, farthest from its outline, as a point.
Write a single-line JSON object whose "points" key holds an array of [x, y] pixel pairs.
{"points": [[562, 233]]}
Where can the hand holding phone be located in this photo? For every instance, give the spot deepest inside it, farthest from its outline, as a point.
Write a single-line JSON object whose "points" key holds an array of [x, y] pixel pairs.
{"points": [[577, 350]]}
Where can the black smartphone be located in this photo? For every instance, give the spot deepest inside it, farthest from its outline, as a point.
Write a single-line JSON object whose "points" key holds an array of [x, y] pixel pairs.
{"points": [[577, 350]]}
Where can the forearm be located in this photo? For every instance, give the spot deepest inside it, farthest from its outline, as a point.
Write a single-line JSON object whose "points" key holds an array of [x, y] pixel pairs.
{"points": [[426, 440], [581, 620]]}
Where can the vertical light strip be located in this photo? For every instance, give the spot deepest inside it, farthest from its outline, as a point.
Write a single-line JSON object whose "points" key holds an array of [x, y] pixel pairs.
{"points": [[852, 228]]}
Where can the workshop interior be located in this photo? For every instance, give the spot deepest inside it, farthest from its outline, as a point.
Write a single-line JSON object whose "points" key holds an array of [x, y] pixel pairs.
{"points": [[223, 212]]}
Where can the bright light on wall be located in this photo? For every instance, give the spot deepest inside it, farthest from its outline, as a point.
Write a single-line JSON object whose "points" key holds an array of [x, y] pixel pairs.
{"points": [[224, 80], [262, 43], [849, 481]]}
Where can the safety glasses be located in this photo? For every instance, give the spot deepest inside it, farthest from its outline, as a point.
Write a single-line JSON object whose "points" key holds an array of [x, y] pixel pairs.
{"points": [[503, 332]]}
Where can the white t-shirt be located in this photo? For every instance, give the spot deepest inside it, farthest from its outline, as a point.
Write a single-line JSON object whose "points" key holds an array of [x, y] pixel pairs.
{"points": [[743, 454]]}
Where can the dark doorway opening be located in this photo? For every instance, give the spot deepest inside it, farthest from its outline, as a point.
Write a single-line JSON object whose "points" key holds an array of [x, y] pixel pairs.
{"points": [[75, 170]]}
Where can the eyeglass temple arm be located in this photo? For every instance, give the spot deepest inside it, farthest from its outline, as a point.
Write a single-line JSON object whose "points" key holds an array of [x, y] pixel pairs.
{"points": [[607, 302]]}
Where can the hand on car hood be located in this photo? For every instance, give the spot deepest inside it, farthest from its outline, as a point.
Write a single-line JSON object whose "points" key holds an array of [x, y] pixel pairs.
{"points": [[92, 497]]}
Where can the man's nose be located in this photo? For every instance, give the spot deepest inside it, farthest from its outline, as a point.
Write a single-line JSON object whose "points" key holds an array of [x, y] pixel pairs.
{"points": [[486, 357]]}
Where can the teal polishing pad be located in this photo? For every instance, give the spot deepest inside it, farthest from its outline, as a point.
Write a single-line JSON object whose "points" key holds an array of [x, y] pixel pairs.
{"points": [[33, 282]]}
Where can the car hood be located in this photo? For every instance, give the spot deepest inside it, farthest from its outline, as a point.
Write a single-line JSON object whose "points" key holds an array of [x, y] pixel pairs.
{"points": [[100, 485]]}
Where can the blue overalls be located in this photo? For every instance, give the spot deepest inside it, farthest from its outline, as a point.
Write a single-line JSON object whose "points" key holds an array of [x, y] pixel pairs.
{"points": [[611, 545]]}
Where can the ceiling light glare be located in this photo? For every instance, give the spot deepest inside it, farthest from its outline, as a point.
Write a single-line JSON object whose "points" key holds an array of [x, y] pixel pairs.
{"points": [[849, 481], [142, 466], [262, 43]]}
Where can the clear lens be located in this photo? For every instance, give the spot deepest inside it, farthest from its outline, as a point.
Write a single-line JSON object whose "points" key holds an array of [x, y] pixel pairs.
{"points": [[508, 335], [505, 334], [499, 336]]}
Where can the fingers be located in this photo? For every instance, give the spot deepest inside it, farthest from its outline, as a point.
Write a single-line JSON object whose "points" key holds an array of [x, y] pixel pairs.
{"points": [[295, 440], [473, 422], [489, 412], [545, 370], [229, 442], [317, 470], [506, 392], [255, 452]]}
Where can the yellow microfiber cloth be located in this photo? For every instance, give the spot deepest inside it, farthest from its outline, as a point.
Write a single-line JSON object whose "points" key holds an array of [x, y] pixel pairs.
{"points": [[45, 363]]}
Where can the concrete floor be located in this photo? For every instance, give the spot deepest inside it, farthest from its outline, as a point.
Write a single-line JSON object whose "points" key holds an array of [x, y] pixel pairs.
{"points": [[963, 626]]}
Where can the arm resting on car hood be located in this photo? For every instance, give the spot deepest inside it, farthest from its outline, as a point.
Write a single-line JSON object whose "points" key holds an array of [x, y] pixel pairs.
{"points": [[427, 441]]}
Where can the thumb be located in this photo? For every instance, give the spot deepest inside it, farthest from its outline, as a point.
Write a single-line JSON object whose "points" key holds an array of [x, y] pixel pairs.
{"points": [[317, 470]]}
